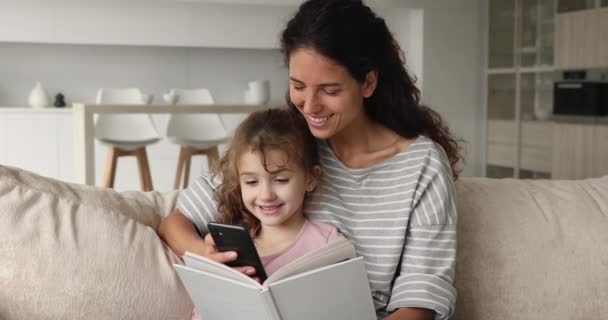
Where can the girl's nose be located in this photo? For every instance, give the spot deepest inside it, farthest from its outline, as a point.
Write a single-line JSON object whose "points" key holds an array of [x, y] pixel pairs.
{"points": [[266, 192]]}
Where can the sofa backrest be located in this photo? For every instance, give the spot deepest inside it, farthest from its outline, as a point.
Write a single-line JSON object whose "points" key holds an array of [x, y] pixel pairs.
{"points": [[75, 252], [532, 249], [526, 250]]}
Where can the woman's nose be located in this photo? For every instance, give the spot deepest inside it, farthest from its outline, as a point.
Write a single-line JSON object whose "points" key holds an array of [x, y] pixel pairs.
{"points": [[311, 104]]}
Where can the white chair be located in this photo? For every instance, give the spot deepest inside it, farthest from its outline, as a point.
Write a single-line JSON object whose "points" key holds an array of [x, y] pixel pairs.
{"points": [[125, 134], [197, 133]]}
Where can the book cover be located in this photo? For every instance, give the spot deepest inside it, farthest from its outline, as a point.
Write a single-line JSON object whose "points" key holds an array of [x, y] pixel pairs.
{"points": [[328, 283]]}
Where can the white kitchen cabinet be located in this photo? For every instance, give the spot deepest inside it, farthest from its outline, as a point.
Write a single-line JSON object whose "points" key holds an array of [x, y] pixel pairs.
{"points": [[581, 39], [534, 150], [601, 150], [42, 141], [29, 140], [579, 151], [548, 149], [573, 151]]}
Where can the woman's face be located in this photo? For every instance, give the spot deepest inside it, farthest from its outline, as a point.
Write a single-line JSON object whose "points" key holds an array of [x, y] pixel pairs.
{"points": [[330, 99]]}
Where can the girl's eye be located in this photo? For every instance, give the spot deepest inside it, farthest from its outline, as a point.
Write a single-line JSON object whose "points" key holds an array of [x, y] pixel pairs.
{"points": [[251, 182], [282, 180]]}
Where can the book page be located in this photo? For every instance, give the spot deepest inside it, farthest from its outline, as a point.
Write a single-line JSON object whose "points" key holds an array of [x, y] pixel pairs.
{"points": [[201, 263], [339, 291], [220, 298], [335, 251]]}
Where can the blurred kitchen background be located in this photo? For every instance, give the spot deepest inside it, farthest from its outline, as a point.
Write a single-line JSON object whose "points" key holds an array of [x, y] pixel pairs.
{"points": [[492, 69]]}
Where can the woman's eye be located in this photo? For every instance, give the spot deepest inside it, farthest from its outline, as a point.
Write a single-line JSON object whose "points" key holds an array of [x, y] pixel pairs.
{"points": [[251, 182], [298, 88], [332, 92]]}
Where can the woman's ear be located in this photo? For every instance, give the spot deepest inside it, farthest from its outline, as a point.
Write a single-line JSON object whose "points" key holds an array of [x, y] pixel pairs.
{"points": [[313, 178], [370, 84]]}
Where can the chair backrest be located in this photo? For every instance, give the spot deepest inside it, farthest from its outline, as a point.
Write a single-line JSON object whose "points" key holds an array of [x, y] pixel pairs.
{"points": [[195, 127], [123, 127]]}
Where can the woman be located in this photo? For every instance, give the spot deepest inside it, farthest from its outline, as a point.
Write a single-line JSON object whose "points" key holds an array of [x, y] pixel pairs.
{"points": [[387, 162]]}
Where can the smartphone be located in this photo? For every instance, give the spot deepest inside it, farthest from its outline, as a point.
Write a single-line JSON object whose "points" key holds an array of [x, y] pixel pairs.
{"points": [[236, 238]]}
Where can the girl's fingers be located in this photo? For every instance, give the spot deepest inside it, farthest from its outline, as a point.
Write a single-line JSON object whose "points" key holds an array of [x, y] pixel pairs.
{"points": [[222, 257], [250, 271], [209, 240]]}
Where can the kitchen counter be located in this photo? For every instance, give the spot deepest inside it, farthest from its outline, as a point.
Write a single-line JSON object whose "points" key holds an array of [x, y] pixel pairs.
{"points": [[26, 109]]}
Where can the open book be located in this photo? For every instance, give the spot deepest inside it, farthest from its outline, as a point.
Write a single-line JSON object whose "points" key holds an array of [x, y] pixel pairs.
{"points": [[328, 283]]}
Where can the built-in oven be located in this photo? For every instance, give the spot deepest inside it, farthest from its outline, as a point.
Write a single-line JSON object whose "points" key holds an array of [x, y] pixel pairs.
{"points": [[589, 98]]}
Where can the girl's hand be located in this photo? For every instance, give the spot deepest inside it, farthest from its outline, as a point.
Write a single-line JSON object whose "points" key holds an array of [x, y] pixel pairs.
{"points": [[211, 252]]}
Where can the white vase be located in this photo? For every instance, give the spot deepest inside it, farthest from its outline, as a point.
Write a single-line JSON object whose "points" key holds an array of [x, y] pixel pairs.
{"points": [[39, 98], [258, 92]]}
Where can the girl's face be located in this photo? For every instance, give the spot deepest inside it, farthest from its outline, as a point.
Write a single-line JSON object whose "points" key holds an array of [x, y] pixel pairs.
{"points": [[274, 197], [330, 99]]}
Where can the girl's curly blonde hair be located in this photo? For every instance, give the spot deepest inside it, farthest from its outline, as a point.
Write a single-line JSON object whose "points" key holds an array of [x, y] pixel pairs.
{"points": [[262, 131]]}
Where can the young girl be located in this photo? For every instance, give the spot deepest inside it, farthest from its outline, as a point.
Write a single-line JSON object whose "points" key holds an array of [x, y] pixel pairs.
{"points": [[268, 169]]}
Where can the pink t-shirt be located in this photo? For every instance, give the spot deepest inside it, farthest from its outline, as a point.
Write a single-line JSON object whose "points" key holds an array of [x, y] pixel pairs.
{"points": [[312, 236]]}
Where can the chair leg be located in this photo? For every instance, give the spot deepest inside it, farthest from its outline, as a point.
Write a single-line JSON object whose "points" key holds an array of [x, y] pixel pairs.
{"points": [[109, 172], [213, 157], [148, 171], [180, 167], [145, 176], [188, 160]]}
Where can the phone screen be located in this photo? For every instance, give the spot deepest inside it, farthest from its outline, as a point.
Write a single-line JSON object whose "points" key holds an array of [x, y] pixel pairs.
{"points": [[236, 238]]}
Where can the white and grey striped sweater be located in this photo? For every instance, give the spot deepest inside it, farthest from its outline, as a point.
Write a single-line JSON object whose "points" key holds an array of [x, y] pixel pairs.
{"points": [[400, 214]]}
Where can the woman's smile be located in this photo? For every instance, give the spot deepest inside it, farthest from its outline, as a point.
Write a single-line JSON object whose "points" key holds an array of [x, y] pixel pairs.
{"points": [[318, 121]]}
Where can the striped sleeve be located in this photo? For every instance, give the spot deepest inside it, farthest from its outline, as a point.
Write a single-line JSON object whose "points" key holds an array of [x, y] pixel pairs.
{"points": [[429, 256], [196, 202]]}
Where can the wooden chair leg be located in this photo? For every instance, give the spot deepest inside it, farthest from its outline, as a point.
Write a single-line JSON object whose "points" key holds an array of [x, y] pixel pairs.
{"points": [[148, 171], [109, 172], [188, 160], [145, 176], [213, 157], [180, 167]]}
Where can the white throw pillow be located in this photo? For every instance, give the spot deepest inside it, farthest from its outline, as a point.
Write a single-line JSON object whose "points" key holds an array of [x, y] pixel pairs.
{"points": [[69, 251]]}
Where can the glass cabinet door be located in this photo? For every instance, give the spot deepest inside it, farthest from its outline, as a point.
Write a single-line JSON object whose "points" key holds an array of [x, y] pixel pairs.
{"points": [[501, 96], [536, 95], [501, 33], [500, 149], [574, 5], [546, 27], [536, 135], [536, 35]]}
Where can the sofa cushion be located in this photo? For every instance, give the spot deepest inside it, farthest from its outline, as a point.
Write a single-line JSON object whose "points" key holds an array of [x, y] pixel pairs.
{"points": [[69, 251], [532, 249]]}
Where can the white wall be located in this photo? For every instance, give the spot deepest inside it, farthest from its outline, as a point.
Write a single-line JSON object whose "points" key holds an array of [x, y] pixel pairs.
{"points": [[452, 66], [169, 23], [79, 70], [407, 26]]}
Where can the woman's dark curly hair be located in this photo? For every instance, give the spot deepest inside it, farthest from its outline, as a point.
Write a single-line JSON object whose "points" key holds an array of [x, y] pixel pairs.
{"points": [[352, 35], [260, 132]]}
